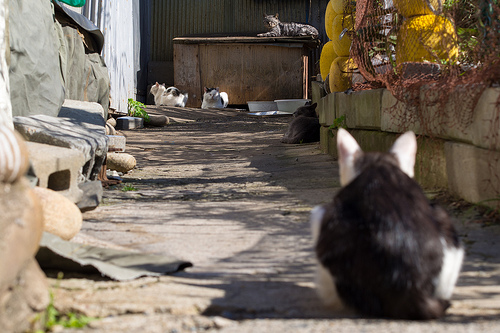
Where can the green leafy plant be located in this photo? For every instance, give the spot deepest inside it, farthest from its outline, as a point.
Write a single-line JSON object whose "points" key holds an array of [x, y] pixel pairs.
{"points": [[52, 318], [338, 123], [136, 109], [128, 187]]}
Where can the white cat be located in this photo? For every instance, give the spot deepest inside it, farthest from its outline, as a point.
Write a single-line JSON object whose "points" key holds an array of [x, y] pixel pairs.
{"points": [[213, 98], [382, 248], [170, 96]]}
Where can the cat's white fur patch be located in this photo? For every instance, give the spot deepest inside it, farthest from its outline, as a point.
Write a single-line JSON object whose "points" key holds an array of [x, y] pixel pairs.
{"points": [[405, 149], [452, 262], [325, 283], [347, 148]]}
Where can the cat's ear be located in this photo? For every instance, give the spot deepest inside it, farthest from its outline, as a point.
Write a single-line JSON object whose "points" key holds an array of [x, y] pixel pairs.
{"points": [[205, 89], [218, 90], [276, 15], [348, 150], [265, 15], [405, 150], [157, 84], [314, 105]]}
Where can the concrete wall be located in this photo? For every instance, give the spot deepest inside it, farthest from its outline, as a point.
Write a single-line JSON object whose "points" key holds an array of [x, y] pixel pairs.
{"points": [[458, 147]]}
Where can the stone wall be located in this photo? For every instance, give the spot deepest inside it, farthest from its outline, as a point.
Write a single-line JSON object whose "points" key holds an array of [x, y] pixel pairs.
{"points": [[458, 150]]}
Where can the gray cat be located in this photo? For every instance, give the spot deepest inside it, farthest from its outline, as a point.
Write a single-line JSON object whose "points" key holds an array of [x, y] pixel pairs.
{"points": [[278, 29], [304, 127]]}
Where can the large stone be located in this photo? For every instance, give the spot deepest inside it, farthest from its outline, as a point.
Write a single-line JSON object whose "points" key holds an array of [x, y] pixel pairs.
{"points": [[473, 173], [21, 228], [25, 300], [83, 112], [157, 121], [327, 109], [120, 162], [57, 168], [88, 138], [61, 216], [362, 108]]}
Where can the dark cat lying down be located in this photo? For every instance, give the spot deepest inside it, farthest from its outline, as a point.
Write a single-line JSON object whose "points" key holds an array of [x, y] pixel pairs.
{"points": [[304, 127]]}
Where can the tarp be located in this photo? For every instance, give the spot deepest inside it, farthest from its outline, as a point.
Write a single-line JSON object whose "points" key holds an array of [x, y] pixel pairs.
{"points": [[67, 256], [35, 80], [54, 59]]}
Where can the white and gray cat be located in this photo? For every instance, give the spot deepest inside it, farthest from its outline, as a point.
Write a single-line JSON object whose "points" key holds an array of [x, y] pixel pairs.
{"points": [[170, 96], [382, 248], [213, 98], [280, 29]]}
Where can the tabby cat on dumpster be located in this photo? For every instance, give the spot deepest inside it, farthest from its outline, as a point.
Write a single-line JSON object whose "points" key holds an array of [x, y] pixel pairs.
{"points": [[280, 29]]}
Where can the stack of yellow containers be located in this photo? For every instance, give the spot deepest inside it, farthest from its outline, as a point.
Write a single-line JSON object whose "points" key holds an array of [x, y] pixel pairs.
{"points": [[334, 59], [424, 36]]}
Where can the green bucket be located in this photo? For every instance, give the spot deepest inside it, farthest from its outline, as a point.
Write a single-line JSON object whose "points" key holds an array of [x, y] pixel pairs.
{"points": [[74, 3]]}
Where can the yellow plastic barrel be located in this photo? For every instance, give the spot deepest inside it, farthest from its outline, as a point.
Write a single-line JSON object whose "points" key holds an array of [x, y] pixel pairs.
{"points": [[409, 8], [341, 46], [426, 37], [338, 6], [329, 16], [341, 74], [326, 59]]}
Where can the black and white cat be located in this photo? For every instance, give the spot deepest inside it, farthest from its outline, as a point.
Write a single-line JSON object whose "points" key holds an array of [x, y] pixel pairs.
{"points": [[304, 127], [214, 98], [382, 248], [170, 96], [278, 29]]}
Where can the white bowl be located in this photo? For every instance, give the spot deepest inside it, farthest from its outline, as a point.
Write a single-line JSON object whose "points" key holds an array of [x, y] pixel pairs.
{"points": [[256, 106], [290, 105]]}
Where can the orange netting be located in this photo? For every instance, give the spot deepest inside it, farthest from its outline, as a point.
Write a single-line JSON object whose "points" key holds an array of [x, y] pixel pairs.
{"points": [[432, 55]]}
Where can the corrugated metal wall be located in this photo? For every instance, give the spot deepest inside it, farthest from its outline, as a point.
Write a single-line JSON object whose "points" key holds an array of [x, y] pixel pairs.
{"points": [[174, 18]]}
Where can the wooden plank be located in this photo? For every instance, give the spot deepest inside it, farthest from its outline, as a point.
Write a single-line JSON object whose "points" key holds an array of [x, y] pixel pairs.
{"points": [[187, 72], [253, 72]]}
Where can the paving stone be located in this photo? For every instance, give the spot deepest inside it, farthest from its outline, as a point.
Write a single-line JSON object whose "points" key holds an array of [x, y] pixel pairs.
{"points": [[116, 143], [127, 123], [86, 112]]}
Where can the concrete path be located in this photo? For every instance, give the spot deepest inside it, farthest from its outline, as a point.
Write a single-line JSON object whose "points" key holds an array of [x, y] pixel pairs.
{"points": [[218, 189]]}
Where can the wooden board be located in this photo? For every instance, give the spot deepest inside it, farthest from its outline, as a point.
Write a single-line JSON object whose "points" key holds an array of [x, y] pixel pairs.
{"points": [[246, 71]]}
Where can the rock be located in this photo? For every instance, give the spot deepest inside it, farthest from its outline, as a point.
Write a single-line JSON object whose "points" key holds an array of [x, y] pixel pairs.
{"points": [[14, 159], [110, 130], [157, 121], [92, 195], [88, 138], [61, 216], [120, 162], [21, 229], [26, 297], [111, 121]]}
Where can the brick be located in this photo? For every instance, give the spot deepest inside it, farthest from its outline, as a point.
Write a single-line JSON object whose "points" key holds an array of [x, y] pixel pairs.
{"points": [[57, 168], [116, 143]]}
